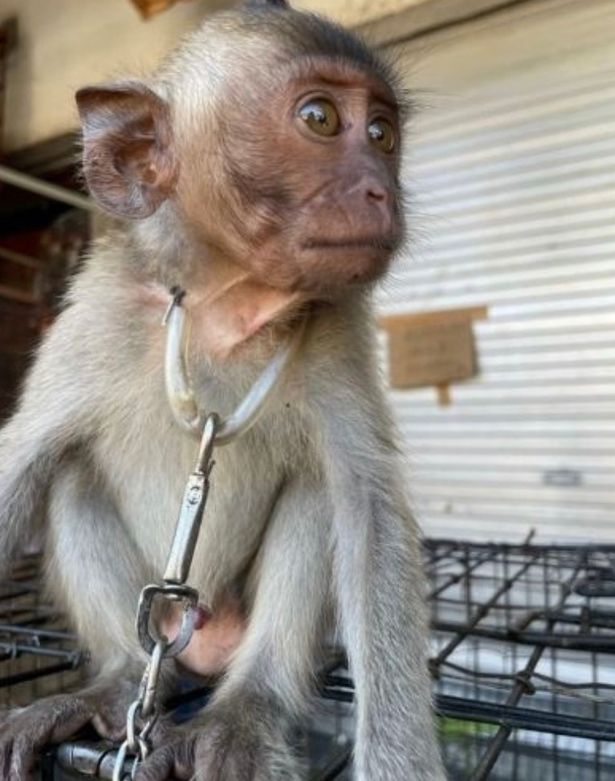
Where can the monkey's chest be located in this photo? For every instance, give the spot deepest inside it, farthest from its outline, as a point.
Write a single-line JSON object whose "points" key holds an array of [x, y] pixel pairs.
{"points": [[147, 478]]}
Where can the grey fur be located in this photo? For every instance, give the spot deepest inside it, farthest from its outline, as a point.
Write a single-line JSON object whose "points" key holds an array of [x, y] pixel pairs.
{"points": [[307, 512]]}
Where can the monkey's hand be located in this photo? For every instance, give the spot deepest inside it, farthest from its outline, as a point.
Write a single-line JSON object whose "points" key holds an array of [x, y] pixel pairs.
{"points": [[240, 741], [24, 731]]}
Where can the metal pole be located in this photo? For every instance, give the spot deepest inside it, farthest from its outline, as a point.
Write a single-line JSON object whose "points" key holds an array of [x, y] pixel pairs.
{"points": [[53, 191], [20, 259]]}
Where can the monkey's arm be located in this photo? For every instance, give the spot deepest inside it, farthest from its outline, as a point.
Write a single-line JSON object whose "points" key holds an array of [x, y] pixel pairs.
{"points": [[95, 571], [380, 586], [243, 733], [43, 455], [56, 410]]}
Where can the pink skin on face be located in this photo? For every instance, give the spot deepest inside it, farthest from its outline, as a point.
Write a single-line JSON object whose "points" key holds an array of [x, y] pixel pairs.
{"points": [[216, 636]]}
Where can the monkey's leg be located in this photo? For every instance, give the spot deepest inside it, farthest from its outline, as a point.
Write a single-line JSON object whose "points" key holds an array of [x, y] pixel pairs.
{"points": [[95, 568], [96, 573], [243, 734], [381, 598]]}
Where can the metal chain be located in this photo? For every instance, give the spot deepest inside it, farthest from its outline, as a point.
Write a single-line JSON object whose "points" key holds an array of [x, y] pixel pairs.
{"points": [[143, 713]]}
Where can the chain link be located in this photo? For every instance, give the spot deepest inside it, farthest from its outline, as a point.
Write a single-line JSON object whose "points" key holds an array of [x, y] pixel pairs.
{"points": [[141, 717], [143, 713]]}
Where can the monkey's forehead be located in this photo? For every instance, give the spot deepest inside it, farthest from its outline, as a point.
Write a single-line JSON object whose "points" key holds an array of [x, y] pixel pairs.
{"points": [[261, 42], [341, 72], [311, 35]]}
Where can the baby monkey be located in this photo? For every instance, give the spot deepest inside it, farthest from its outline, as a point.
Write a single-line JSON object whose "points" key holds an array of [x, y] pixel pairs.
{"points": [[258, 171]]}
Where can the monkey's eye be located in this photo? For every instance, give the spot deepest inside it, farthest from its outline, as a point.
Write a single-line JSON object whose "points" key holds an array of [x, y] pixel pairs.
{"points": [[382, 135], [320, 116]]}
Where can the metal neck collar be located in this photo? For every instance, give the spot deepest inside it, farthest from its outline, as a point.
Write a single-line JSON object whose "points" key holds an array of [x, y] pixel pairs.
{"points": [[179, 391]]}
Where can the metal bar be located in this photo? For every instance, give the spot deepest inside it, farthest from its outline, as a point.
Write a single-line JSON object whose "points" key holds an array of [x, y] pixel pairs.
{"points": [[523, 549], [577, 642], [436, 557], [513, 717], [20, 259], [460, 575], [32, 675], [508, 716], [520, 688], [47, 634], [15, 650], [89, 759], [22, 592], [21, 296], [479, 615], [97, 760], [46, 189]]}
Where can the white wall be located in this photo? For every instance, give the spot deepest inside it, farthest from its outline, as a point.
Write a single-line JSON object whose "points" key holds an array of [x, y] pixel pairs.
{"points": [[511, 165], [64, 44], [67, 43]]}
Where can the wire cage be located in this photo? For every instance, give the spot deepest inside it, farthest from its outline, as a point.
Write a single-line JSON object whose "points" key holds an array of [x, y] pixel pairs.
{"points": [[38, 654], [523, 665]]}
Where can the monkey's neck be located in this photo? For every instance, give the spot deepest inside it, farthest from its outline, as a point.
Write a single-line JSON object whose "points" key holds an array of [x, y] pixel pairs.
{"points": [[231, 308], [227, 307]]}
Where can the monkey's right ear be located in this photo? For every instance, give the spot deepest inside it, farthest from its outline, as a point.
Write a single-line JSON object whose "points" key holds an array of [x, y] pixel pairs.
{"points": [[128, 157]]}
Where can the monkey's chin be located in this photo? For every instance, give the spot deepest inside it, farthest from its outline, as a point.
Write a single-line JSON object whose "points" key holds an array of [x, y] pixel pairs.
{"points": [[333, 269]]}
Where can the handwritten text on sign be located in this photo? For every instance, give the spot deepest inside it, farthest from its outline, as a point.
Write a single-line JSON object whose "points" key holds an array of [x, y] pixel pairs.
{"points": [[431, 353]]}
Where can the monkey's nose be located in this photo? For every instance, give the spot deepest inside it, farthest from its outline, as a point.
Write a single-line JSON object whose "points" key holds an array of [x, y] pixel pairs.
{"points": [[376, 191]]}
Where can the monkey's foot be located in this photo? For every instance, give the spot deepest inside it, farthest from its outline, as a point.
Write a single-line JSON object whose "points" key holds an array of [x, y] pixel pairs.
{"points": [[25, 731], [242, 743], [109, 719]]}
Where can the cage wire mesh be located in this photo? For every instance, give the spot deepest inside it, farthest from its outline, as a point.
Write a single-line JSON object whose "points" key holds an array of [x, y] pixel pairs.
{"points": [[38, 655], [523, 665]]}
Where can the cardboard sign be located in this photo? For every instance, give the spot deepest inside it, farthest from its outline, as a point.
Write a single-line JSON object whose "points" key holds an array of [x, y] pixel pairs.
{"points": [[431, 354], [432, 348]]}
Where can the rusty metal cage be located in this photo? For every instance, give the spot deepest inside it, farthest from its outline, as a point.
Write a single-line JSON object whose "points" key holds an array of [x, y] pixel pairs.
{"points": [[523, 664], [38, 654]]}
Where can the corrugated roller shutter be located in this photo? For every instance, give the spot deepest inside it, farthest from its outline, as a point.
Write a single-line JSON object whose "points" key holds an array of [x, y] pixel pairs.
{"points": [[511, 168]]}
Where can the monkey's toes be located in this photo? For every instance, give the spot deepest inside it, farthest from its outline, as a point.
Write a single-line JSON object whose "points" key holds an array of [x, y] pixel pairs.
{"points": [[229, 742], [175, 760]]}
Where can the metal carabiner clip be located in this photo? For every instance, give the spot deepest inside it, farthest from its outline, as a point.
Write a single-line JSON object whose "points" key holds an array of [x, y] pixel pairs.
{"points": [[189, 598]]}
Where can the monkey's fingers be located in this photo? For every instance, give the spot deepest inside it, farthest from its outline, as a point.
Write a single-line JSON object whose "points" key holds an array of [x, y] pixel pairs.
{"points": [[172, 762], [26, 731]]}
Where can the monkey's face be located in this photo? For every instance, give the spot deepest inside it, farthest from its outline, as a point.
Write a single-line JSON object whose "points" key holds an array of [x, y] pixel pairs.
{"points": [[290, 173], [308, 199]]}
